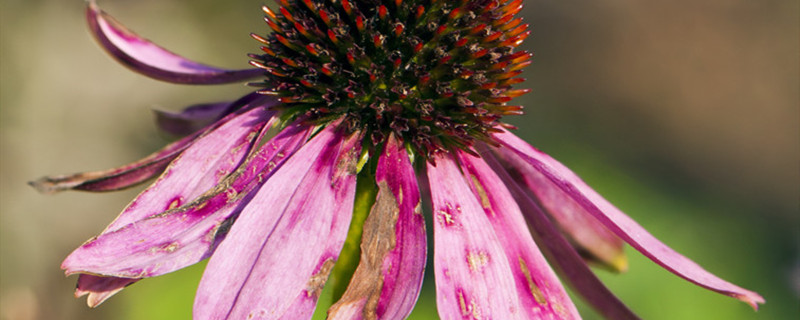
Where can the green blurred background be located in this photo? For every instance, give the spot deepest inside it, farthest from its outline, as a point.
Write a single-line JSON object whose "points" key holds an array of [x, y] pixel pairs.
{"points": [[684, 114]]}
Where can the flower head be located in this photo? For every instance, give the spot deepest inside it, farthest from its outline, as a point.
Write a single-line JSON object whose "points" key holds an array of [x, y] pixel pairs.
{"points": [[377, 105]]}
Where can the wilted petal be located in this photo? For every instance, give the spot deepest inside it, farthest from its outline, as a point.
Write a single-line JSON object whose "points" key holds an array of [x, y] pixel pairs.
{"points": [[473, 276], [278, 254], [388, 279], [563, 180], [117, 178], [100, 288], [539, 290], [196, 117], [191, 119], [584, 231], [561, 252], [153, 61], [183, 236], [201, 167]]}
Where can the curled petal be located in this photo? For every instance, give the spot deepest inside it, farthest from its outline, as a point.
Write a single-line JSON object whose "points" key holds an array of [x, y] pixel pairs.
{"points": [[151, 60], [279, 253], [183, 236], [561, 252], [100, 288], [388, 279], [473, 276], [563, 180], [539, 290]]}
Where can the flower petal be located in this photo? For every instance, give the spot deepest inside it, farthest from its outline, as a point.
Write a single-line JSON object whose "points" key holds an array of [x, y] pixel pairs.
{"points": [[562, 180], [201, 167], [582, 229], [277, 256], [190, 119], [473, 276], [137, 172], [388, 279], [153, 61], [117, 178], [183, 236], [540, 292], [100, 288], [561, 252]]}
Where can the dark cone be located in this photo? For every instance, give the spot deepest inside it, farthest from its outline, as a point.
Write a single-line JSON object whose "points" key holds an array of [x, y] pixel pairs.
{"points": [[437, 73]]}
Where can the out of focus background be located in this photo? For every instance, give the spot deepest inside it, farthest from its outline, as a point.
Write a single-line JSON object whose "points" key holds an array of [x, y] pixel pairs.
{"points": [[684, 114]]}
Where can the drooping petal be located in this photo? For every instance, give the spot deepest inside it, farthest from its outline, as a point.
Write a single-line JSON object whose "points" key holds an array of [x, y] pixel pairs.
{"points": [[561, 180], [473, 276], [117, 178], [582, 229], [137, 172], [388, 279], [196, 117], [151, 60], [539, 290], [191, 119], [561, 252], [183, 236], [198, 169], [100, 288], [277, 256]]}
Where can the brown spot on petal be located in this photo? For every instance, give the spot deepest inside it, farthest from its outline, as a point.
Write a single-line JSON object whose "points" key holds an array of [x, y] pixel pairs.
{"points": [[532, 287], [487, 205], [317, 281], [477, 260], [377, 241], [468, 308]]}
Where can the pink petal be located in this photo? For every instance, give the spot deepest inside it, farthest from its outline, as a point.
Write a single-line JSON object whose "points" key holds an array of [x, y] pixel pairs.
{"points": [[117, 178], [201, 167], [541, 293], [560, 251], [388, 279], [197, 117], [100, 288], [581, 228], [183, 236], [144, 169], [473, 276], [565, 181], [191, 119], [279, 253], [153, 61]]}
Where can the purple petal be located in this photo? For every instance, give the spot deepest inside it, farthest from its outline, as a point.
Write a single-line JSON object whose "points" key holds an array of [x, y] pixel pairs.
{"points": [[279, 253], [584, 231], [561, 252], [196, 117], [562, 180], [539, 290], [473, 276], [191, 119], [183, 236], [153, 61], [201, 167], [388, 279], [117, 178], [100, 288]]}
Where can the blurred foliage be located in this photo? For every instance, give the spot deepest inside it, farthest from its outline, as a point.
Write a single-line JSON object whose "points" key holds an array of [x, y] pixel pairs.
{"points": [[684, 114]]}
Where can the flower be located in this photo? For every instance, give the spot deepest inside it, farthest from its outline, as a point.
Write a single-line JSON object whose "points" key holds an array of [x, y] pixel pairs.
{"points": [[376, 105]]}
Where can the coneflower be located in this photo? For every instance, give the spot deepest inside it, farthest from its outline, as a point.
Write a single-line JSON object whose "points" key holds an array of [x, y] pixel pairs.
{"points": [[376, 106]]}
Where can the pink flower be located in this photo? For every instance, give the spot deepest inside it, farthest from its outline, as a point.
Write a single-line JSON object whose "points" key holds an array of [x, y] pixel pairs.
{"points": [[376, 107]]}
